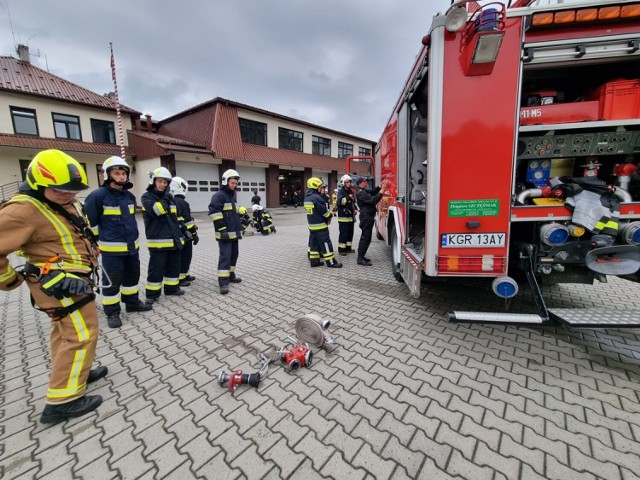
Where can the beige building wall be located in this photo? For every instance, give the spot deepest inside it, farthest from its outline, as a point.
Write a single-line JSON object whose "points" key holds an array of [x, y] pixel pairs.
{"points": [[46, 106], [307, 144]]}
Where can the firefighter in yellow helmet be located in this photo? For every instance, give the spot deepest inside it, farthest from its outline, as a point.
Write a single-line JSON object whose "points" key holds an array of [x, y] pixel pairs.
{"points": [[49, 229], [318, 217]]}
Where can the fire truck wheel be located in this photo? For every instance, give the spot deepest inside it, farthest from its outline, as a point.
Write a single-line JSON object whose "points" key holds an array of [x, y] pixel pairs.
{"points": [[395, 254]]}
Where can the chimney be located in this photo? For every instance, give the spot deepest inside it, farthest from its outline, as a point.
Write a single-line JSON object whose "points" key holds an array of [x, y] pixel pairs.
{"points": [[138, 124], [23, 53], [149, 123]]}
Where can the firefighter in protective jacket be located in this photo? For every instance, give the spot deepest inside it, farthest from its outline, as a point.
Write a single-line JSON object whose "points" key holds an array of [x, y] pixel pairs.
{"points": [[346, 215], [318, 218], [111, 213], [165, 236], [50, 231], [226, 222], [178, 189]]}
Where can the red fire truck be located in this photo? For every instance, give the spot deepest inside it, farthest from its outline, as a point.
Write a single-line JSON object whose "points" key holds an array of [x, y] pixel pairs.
{"points": [[513, 151]]}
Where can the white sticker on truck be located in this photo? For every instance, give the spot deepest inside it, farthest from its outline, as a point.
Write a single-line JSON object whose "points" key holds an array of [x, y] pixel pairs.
{"points": [[462, 240]]}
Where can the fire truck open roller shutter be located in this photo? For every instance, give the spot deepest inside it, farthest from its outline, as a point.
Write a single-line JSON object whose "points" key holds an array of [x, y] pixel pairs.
{"points": [[584, 49]]}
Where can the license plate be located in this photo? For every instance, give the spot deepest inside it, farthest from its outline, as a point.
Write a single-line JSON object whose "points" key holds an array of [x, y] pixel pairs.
{"points": [[465, 240]]}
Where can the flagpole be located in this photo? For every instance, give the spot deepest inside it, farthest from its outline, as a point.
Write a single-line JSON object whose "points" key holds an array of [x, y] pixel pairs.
{"points": [[118, 114]]}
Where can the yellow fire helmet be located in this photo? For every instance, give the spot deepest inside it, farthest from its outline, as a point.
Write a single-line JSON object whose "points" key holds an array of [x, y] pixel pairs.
{"points": [[314, 183], [55, 169], [242, 210]]}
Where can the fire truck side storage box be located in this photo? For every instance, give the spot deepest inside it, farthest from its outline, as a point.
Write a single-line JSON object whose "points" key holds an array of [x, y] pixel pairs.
{"points": [[559, 113], [618, 99]]}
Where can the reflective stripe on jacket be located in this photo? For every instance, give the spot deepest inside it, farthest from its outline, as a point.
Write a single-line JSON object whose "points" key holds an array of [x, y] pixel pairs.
{"points": [[346, 205], [318, 215], [111, 215], [39, 233], [160, 216], [224, 214]]}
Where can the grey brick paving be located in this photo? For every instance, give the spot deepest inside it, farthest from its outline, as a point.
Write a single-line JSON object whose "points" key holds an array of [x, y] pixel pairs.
{"points": [[403, 395]]}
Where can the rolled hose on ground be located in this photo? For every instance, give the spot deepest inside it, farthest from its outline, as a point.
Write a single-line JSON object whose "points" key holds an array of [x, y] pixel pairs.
{"points": [[311, 329]]}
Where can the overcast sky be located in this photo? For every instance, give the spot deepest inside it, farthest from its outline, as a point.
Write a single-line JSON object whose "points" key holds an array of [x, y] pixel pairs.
{"points": [[336, 63]]}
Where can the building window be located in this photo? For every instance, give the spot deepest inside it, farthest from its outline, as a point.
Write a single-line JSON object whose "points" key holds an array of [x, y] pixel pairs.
{"points": [[321, 146], [24, 166], [364, 152], [253, 132], [344, 150], [66, 126], [24, 121], [103, 131], [289, 139]]}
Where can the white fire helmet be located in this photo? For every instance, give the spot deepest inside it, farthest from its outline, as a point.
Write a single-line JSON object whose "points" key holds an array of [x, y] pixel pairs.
{"points": [[256, 207], [229, 174], [114, 162], [344, 179], [159, 172], [178, 186]]}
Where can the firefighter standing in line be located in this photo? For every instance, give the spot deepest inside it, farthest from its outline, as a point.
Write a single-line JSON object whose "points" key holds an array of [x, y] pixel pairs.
{"points": [[178, 189], [367, 201], [111, 213], [319, 218], [226, 222], [346, 215], [48, 227], [165, 238]]}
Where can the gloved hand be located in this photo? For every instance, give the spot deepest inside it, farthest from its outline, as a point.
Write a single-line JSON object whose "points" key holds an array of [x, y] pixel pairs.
{"points": [[196, 238], [187, 236], [59, 284], [224, 235]]}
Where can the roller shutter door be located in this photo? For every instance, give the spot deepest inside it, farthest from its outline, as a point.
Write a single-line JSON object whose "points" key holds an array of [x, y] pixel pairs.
{"points": [[251, 179], [203, 182]]}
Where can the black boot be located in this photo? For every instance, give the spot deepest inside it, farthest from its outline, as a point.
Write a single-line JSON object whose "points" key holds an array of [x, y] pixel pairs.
{"points": [[138, 307], [363, 262], [97, 373], [177, 292], [333, 263], [76, 408], [315, 262], [224, 289], [114, 321], [235, 279]]}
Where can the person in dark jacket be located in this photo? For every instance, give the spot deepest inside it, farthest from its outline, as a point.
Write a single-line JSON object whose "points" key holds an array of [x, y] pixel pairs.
{"points": [[110, 210], [346, 215], [226, 222], [319, 217], [165, 237], [367, 201], [255, 200], [178, 188]]}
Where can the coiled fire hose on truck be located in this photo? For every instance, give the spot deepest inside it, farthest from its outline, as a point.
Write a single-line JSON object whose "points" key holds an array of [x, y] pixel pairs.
{"points": [[311, 329]]}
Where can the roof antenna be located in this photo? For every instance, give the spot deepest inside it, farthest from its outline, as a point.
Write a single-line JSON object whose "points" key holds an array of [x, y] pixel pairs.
{"points": [[11, 24]]}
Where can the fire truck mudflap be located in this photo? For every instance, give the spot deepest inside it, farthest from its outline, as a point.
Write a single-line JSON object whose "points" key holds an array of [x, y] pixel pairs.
{"points": [[411, 269]]}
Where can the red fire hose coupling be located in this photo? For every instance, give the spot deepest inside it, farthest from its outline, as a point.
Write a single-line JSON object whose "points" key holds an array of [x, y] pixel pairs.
{"points": [[296, 356], [238, 378]]}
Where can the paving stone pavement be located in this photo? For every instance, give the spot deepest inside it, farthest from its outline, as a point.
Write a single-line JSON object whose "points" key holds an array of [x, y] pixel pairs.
{"points": [[403, 395]]}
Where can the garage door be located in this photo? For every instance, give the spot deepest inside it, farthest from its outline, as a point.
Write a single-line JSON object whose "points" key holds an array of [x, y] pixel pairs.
{"points": [[251, 179], [202, 179]]}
